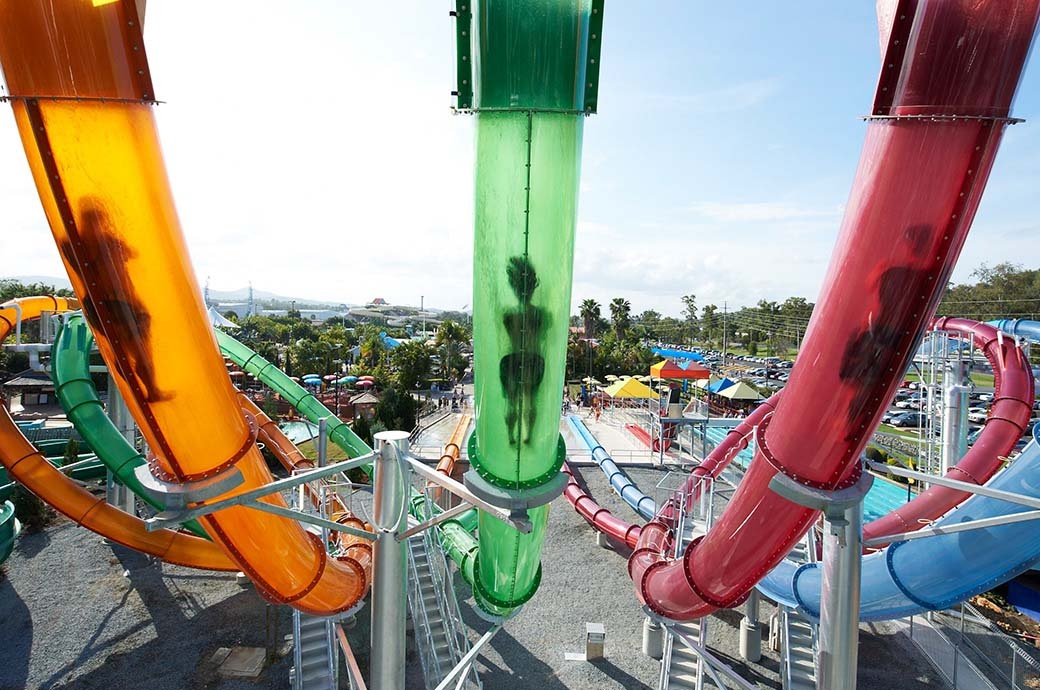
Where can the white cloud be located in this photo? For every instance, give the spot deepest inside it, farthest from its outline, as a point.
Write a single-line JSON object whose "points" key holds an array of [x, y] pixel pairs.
{"points": [[755, 212]]}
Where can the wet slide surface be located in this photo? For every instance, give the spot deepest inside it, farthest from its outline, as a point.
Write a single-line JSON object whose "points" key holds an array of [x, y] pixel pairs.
{"points": [[921, 177], [29, 467], [936, 572], [80, 87]]}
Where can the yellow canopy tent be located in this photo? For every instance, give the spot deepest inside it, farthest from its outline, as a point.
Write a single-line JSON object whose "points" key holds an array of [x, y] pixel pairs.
{"points": [[740, 391], [630, 388]]}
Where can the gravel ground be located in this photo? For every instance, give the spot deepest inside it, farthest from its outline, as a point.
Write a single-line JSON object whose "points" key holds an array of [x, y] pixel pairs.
{"points": [[83, 614]]}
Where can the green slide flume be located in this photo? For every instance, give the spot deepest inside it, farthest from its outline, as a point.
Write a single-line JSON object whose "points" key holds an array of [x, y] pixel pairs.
{"points": [[70, 370], [455, 535], [531, 91]]}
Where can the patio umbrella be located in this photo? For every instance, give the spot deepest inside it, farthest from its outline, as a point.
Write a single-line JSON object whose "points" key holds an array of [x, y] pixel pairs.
{"points": [[348, 379], [365, 384], [624, 377], [611, 377], [330, 377], [591, 381]]}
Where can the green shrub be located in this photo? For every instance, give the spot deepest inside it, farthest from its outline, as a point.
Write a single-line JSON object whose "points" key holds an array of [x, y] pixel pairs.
{"points": [[71, 452], [30, 510]]}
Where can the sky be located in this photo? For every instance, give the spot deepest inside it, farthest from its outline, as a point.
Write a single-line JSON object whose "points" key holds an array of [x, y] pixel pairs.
{"points": [[312, 151]]}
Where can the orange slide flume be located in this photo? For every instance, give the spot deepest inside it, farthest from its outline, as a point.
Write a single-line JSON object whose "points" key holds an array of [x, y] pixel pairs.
{"points": [[78, 79], [28, 466]]}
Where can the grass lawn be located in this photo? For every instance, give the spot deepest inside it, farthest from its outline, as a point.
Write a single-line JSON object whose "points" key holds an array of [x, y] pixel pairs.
{"points": [[979, 379], [896, 431], [334, 452]]}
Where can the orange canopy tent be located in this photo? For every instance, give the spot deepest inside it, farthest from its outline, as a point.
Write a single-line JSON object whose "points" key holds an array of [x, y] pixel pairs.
{"points": [[667, 369]]}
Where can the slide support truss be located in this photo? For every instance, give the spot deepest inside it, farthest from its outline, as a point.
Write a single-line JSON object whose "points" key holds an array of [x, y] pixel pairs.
{"points": [[842, 544]]}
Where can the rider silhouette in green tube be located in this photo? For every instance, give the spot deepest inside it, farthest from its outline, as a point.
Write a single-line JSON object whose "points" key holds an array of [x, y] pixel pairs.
{"points": [[522, 369]]}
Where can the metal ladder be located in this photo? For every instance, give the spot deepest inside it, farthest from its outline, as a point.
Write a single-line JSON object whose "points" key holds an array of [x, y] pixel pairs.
{"points": [[799, 634], [680, 667], [315, 655], [439, 632]]}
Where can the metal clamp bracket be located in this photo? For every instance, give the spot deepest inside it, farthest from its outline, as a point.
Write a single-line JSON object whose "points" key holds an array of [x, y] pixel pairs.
{"points": [[176, 510], [833, 503], [176, 496], [516, 501]]}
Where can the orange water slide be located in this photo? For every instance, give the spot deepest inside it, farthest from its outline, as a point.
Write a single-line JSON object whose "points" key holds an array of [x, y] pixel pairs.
{"points": [[452, 448], [79, 83], [351, 547], [28, 466]]}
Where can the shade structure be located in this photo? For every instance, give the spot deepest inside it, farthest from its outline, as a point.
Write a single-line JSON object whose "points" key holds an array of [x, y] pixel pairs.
{"points": [[706, 383], [677, 354], [720, 385], [217, 319], [667, 369], [365, 384], [740, 391], [629, 388]]}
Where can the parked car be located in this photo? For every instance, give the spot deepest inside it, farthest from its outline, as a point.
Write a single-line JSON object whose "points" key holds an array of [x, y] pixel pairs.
{"points": [[908, 419], [977, 415], [890, 415], [909, 401]]}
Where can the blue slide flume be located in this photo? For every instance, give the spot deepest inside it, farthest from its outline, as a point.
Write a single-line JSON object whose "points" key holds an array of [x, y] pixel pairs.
{"points": [[934, 573]]}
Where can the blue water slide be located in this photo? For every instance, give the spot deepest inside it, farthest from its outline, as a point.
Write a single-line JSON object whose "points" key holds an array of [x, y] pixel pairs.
{"points": [[619, 481], [934, 573], [1030, 330]]}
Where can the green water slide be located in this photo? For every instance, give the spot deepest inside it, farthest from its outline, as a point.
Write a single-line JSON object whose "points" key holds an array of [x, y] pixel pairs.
{"points": [[70, 370], [9, 529], [533, 72], [455, 535]]}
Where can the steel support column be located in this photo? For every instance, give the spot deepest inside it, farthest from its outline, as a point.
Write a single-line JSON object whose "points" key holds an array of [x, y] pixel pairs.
{"points": [[390, 561]]}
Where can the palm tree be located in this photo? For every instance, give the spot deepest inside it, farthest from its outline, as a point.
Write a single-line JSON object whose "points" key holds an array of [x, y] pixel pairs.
{"points": [[620, 316], [450, 338], [590, 315]]}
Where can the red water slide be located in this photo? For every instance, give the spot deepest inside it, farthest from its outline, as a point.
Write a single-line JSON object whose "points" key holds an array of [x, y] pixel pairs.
{"points": [[949, 73]]}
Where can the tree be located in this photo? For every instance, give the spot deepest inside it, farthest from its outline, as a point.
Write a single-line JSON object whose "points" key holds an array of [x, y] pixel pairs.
{"points": [[689, 313], [620, 316], [449, 341], [396, 409], [710, 322], [590, 315], [411, 361]]}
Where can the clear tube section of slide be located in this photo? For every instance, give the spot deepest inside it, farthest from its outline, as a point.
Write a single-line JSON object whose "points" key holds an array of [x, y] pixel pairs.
{"points": [[950, 71], [28, 466], [80, 86], [936, 572], [74, 387], [529, 85]]}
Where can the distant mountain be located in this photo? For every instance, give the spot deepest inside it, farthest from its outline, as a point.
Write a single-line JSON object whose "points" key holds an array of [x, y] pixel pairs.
{"points": [[242, 294], [59, 283], [237, 295]]}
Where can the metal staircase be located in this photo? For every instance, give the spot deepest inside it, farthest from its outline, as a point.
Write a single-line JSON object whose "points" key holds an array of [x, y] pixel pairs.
{"points": [[315, 654], [440, 634], [799, 634], [680, 667]]}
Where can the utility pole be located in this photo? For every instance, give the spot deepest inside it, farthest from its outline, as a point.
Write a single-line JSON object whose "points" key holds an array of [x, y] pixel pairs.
{"points": [[725, 333], [422, 310]]}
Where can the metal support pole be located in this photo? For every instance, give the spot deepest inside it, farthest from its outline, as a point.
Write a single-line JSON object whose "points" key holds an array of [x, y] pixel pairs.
{"points": [[839, 611], [955, 417], [389, 570], [751, 630], [115, 492]]}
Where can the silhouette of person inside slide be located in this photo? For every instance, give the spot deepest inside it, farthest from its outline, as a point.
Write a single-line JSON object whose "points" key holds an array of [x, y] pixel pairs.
{"points": [[113, 307], [521, 370]]}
